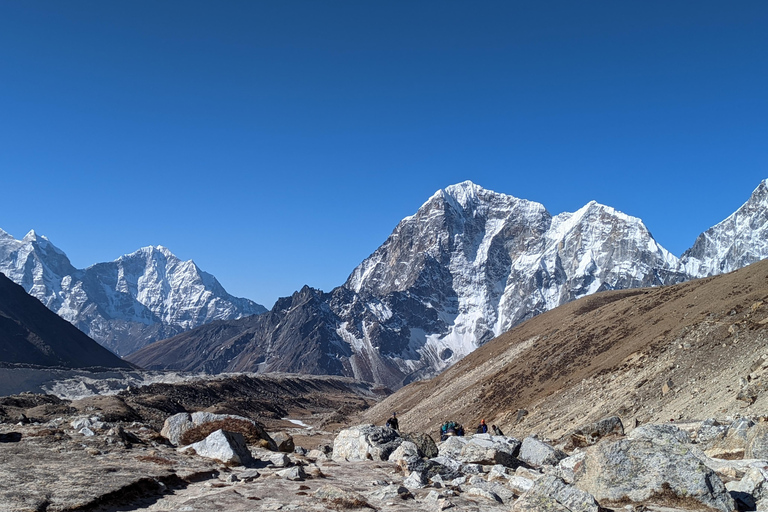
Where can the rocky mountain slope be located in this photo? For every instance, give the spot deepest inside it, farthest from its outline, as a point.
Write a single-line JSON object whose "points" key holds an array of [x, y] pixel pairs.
{"points": [[690, 351], [32, 334], [125, 304], [466, 267]]}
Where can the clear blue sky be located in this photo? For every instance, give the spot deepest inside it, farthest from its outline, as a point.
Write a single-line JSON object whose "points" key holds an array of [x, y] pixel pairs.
{"points": [[278, 143]]}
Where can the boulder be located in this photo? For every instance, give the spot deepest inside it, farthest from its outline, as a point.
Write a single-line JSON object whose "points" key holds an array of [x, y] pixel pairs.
{"points": [[416, 480], [710, 430], [284, 442], [226, 447], [661, 434], [588, 435], [176, 425], [757, 442], [280, 460], [519, 484], [731, 445], [501, 491], [641, 471], [406, 450], [365, 442], [481, 449], [184, 428], [567, 467], [424, 442], [538, 453], [390, 492], [551, 494], [296, 473]]}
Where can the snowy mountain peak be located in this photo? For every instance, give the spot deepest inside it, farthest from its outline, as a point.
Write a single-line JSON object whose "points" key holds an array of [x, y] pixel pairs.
{"points": [[464, 193], [141, 297], [739, 240], [30, 237]]}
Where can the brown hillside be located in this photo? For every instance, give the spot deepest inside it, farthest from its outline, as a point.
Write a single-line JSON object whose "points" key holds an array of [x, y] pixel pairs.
{"points": [[679, 352]]}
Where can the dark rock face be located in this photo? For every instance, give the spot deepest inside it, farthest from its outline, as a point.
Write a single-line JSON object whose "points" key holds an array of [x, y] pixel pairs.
{"points": [[31, 333]]}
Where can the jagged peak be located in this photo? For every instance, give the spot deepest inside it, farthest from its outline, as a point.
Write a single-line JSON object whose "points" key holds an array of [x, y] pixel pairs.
{"points": [[150, 251], [30, 237], [4, 234]]}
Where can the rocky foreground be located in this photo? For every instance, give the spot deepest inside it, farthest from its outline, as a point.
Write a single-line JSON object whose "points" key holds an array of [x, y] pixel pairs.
{"points": [[92, 461]]}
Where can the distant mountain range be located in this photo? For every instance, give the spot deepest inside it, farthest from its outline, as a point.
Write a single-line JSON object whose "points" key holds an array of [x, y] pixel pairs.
{"points": [[32, 334], [125, 304], [467, 266]]}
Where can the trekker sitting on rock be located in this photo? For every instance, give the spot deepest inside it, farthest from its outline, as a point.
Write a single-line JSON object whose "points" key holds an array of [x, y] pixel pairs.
{"points": [[482, 428], [393, 423], [496, 430]]}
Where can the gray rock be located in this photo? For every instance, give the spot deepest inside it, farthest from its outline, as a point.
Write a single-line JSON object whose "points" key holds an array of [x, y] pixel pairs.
{"points": [[588, 435], [757, 442], [296, 473], [538, 453], [483, 493], [248, 475], [639, 471], [175, 426], [317, 454], [481, 449], [501, 491], [284, 442], [406, 450], [424, 442], [365, 442], [415, 480], [660, 434], [227, 447], [569, 465], [280, 460], [550, 493], [390, 492], [519, 484], [710, 430]]}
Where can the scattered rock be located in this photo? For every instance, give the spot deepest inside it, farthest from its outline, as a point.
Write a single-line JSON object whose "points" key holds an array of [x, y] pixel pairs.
{"points": [[283, 442], [365, 442], [226, 447], [550, 493], [538, 453]]}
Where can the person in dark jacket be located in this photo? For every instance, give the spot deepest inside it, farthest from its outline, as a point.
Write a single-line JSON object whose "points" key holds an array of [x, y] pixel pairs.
{"points": [[482, 428], [496, 430], [393, 423]]}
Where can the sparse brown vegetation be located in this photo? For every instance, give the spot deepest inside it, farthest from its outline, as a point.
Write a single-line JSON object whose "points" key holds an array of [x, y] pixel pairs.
{"points": [[246, 428]]}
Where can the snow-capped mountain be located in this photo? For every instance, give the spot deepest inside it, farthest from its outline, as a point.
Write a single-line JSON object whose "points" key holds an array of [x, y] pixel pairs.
{"points": [[734, 243], [467, 266], [139, 298]]}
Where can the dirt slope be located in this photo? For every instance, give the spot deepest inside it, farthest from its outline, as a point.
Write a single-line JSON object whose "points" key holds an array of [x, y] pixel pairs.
{"points": [[678, 352]]}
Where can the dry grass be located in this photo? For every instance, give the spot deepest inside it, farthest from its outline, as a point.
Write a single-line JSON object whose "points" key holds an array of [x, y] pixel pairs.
{"points": [[247, 429]]}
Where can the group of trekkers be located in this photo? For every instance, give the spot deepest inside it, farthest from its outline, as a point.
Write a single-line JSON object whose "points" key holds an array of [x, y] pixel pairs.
{"points": [[449, 428]]}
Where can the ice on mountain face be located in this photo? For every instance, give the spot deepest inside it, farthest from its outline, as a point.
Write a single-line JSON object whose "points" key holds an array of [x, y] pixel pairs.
{"points": [[140, 297], [739, 240], [486, 261]]}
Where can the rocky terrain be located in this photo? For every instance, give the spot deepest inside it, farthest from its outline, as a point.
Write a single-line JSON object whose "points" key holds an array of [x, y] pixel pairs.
{"points": [[650, 399], [688, 351], [466, 267], [125, 304]]}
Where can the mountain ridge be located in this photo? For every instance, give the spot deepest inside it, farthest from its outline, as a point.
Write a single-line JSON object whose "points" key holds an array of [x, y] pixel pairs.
{"points": [[468, 265], [140, 297]]}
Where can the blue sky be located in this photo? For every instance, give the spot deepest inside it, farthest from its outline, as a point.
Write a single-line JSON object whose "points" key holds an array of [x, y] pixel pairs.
{"points": [[278, 144]]}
